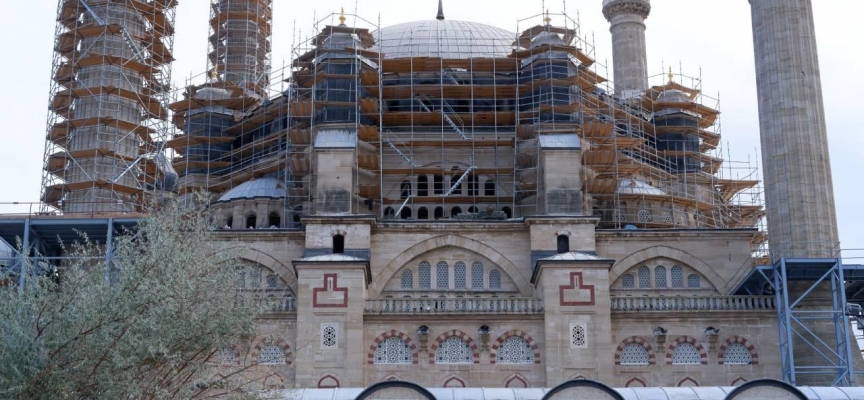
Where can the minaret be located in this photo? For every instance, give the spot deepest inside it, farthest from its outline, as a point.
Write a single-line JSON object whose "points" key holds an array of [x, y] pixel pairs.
{"points": [[797, 170], [629, 57]]}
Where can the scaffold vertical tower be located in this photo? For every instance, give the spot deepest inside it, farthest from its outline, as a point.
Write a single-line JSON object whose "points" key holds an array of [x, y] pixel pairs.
{"points": [[108, 119]]}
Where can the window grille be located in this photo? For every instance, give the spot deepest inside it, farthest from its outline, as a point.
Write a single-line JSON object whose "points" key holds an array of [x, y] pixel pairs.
{"points": [[515, 350], [442, 273], [495, 279], [578, 336], [407, 279], [329, 336], [620, 216], [693, 281], [271, 355], [454, 350], [393, 351], [459, 275], [226, 355], [424, 273], [686, 354], [667, 218], [644, 216], [737, 354], [628, 282], [644, 277], [241, 279], [272, 282], [477, 275], [255, 278], [634, 354], [677, 277], [660, 277]]}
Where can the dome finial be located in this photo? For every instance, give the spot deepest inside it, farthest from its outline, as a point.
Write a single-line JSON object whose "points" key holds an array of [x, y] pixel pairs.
{"points": [[342, 17], [548, 19], [440, 16]]}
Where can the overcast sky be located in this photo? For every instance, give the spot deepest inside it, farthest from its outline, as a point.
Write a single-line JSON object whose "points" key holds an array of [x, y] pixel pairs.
{"points": [[708, 37]]}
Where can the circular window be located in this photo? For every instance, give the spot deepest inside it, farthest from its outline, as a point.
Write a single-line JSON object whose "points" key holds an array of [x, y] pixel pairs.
{"points": [[667, 218], [644, 216]]}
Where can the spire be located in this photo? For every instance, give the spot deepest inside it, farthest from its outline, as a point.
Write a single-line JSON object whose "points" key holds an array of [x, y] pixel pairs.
{"points": [[342, 17], [548, 19], [440, 16], [671, 76]]}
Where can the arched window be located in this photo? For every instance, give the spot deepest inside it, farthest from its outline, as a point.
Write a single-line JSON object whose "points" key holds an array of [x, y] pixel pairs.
{"points": [[514, 350], [686, 354], [295, 217], [338, 244], [455, 211], [407, 279], [737, 354], [393, 351], [274, 220], [438, 184], [644, 277], [693, 281], [422, 185], [405, 213], [563, 244], [627, 281], [424, 275], [489, 188], [251, 220], [508, 212], [677, 277], [473, 185], [660, 277], [454, 350], [472, 210], [634, 354], [459, 275], [423, 213], [477, 275], [405, 189], [442, 275], [229, 222], [439, 212], [494, 279], [389, 212], [271, 355]]}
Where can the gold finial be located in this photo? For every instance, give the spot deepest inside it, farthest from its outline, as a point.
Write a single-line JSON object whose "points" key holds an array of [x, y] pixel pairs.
{"points": [[548, 19], [671, 76], [342, 16]]}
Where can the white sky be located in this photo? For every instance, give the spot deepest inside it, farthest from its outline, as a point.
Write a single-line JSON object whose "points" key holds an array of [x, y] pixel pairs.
{"points": [[711, 35]]}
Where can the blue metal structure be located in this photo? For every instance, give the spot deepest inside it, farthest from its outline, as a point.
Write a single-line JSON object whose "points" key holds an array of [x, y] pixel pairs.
{"points": [[811, 291]]}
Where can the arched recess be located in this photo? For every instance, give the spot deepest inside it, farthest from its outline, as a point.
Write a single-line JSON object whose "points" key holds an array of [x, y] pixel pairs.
{"points": [[764, 389], [703, 355], [586, 388], [739, 381], [515, 332], [687, 382], [516, 381], [459, 334], [635, 382], [454, 381], [328, 381], [672, 253], [280, 342], [738, 339], [457, 241], [370, 357], [271, 263], [404, 389], [652, 358]]}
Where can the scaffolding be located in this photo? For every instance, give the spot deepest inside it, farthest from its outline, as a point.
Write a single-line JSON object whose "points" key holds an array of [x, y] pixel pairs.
{"points": [[108, 118]]}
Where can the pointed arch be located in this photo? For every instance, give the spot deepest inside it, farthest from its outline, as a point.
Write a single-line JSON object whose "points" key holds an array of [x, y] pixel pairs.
{"points": [[370, 357], [635, 382], [454, 333], [687, 382], [328, 381], [266, 260], [739, 381], [671, 253], [493, 352], [453, 381], [525, 288], [516, 381]]}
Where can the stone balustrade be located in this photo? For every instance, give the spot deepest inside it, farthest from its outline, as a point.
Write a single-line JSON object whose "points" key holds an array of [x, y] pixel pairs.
{"points": [[712, 303], [502, 305]]}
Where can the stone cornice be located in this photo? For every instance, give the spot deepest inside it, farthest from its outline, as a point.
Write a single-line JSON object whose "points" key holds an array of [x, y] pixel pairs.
{"points": [[618, 7]]}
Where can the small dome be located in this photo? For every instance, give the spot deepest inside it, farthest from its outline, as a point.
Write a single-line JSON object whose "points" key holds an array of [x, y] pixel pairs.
{"points": [[444, 39], [635, 186], [545, 39], [673, 96], [261, 187]]}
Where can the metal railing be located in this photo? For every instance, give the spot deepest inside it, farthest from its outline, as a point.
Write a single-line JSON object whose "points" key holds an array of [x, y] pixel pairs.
{"points": [[503, 305], [713, 303]]}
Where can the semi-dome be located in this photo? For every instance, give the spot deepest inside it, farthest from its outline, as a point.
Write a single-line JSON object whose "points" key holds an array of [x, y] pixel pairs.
{"points": [[444, 39], [261, 187]]}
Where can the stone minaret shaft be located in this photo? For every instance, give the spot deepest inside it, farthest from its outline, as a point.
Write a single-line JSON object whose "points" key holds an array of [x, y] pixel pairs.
{"points": [[797, 170], [629, 56]]}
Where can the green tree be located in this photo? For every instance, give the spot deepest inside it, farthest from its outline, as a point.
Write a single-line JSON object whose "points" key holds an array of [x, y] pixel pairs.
{"points": [[147, 324]]}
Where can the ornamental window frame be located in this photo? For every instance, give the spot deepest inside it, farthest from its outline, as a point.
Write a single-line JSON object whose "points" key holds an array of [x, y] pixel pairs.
{"points": [[466, 355], [745, 357], [329, 336], [573, 336], [644, 357], [508, 348], [405, 355], [691, 357]]}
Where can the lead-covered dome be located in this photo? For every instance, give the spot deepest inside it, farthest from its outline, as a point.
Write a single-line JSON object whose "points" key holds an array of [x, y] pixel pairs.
{"points": [[444, 39]]}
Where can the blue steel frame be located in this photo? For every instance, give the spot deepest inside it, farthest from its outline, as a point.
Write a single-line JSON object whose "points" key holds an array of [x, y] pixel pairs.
{"points": [[834, 354]]}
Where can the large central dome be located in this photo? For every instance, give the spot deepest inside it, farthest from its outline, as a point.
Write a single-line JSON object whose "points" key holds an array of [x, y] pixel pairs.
{"points": [[444, 39]]}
